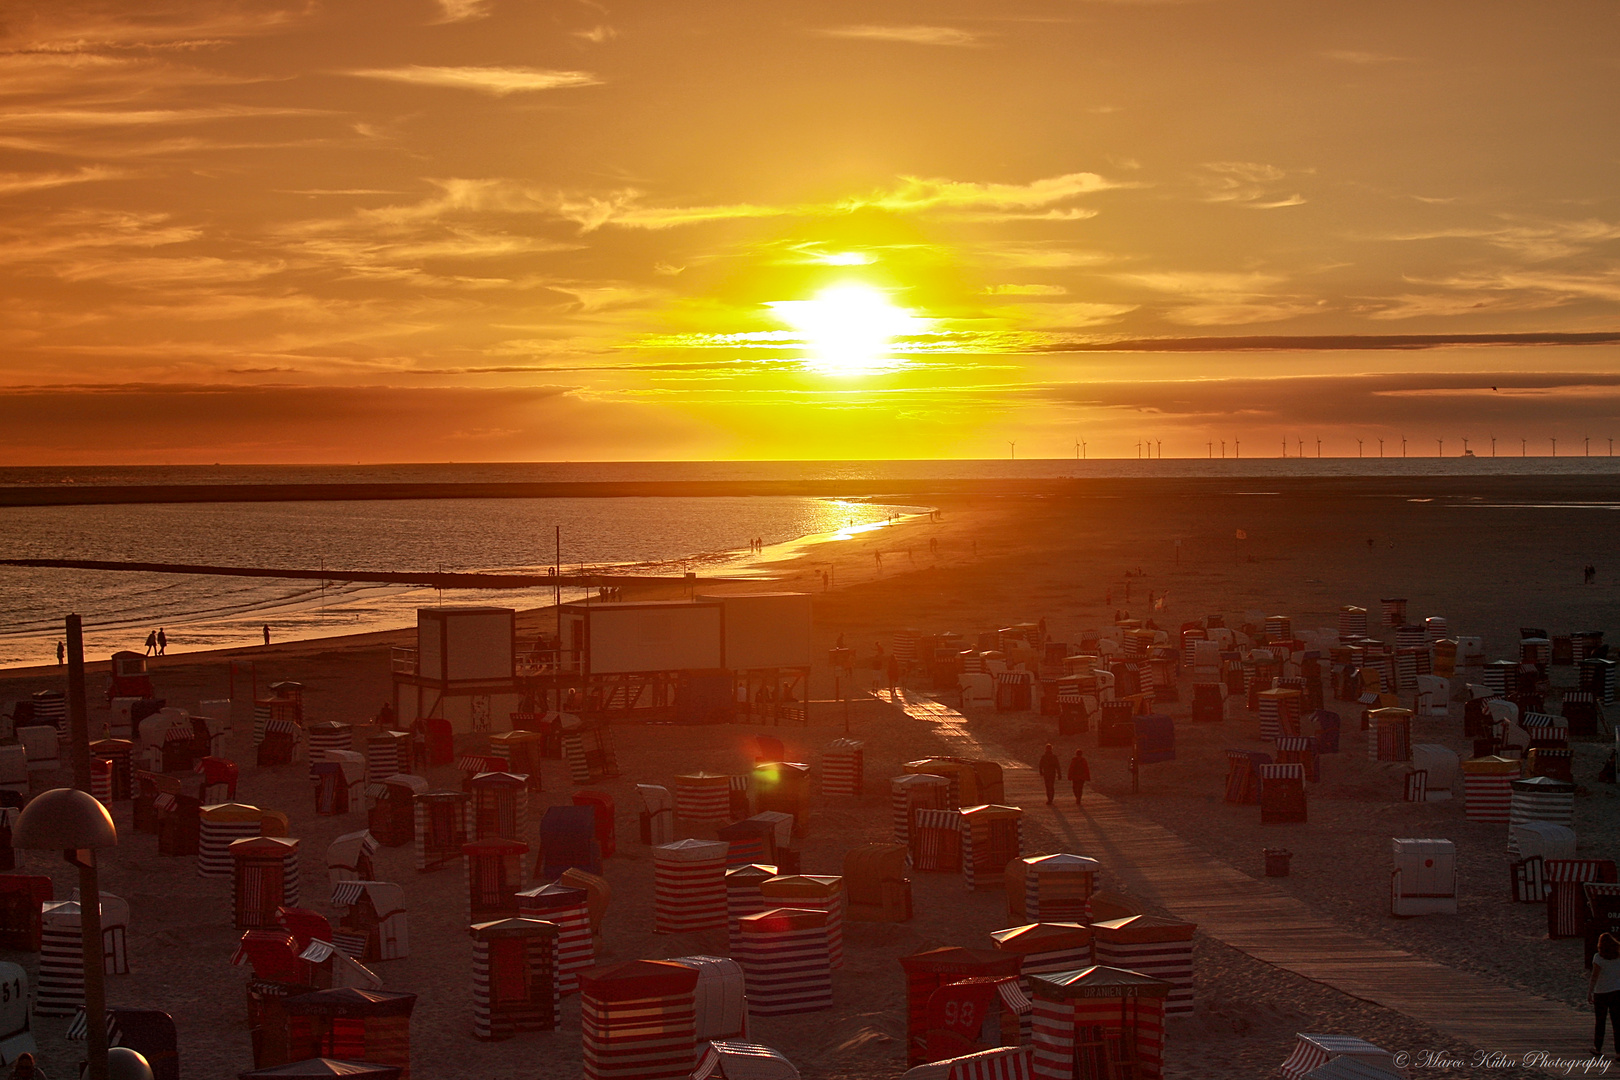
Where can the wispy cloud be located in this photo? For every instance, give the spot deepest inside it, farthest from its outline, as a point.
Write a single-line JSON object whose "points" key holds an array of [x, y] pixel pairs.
{"points": [[453, 11], [910, 35], [917, 193], [596, 35], [499, 81], [58, 119], [15, 183], [1536, 241], [1246, 183], [1354, 56]]}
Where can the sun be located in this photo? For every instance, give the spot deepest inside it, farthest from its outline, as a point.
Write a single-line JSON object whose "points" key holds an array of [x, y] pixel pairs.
{"points": [[850, 328]]}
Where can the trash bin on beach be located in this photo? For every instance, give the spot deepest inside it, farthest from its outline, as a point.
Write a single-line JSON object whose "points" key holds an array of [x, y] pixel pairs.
{"points": [[1276, 861]]}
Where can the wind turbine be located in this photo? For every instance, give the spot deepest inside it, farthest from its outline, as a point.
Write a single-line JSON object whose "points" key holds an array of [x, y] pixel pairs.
{"points": [[1012, 447], [1403, 446], [1319, 446], [1211, 445], [1358, 446], [1285, 446], [1160, 442], [1555, 446], [1380, 447], [1440, 448], [1223, 449], [1237, 448], [1493, 446]]}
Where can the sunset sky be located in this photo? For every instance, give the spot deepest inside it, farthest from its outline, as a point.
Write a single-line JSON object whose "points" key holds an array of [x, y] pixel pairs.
{"points": [[465, 230]]}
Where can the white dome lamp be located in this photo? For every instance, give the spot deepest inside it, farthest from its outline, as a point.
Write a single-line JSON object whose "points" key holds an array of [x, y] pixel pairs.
{"points": [[75, 823]]}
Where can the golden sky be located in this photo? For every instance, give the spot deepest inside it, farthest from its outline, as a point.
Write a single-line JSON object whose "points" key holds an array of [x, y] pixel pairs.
{"points": [[510, 229]]}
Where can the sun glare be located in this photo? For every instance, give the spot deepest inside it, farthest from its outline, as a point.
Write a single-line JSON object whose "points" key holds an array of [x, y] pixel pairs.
{"points": [[849, 329]]}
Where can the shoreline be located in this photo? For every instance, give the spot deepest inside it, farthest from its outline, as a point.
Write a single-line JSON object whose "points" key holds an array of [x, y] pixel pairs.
{"points": [[1595, 485]]}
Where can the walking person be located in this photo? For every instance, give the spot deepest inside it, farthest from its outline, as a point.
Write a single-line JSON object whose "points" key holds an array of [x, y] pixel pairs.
{"points": [[151, 643], [1603, 990], [1079, 773], [61, 653], [267, 633], [1050, 768], [162, 641]]}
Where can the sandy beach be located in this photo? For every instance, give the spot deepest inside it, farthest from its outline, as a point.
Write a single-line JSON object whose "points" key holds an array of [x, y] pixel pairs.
{"points": [[1489, 558]]}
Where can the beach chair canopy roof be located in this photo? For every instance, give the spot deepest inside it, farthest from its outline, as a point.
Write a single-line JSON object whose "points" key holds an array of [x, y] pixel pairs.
{"points": [[632, 980], [513, 928], [1097, 981]]}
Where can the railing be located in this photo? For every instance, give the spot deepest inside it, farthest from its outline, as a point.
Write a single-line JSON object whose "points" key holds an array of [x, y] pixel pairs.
{"points": [[547, 662]]}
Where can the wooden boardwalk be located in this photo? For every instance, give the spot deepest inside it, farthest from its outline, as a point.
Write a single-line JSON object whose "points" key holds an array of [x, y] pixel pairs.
{"points": [[1268, 924]]}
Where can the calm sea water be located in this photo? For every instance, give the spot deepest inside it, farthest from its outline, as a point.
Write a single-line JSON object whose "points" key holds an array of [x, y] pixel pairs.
{"points": [[662, 535]]}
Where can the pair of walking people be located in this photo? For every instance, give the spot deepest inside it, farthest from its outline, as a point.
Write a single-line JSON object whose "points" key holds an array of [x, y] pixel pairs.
{"points": [[1051, 770]]}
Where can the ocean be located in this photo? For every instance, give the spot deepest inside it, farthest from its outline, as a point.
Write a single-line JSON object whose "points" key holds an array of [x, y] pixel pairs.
{"points": [[668, 535]]}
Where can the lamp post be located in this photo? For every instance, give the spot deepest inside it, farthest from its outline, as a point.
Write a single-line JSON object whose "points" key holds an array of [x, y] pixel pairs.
{"points": [[75, 823]]}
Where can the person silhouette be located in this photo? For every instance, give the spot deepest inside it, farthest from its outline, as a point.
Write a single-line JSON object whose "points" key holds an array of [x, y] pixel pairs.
{"points": [[162, 642]]}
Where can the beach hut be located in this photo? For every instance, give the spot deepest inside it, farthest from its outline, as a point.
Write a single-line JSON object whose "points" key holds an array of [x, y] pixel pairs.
{"points": [[265, 878], [1390, 736], [1536, 841], [388, 752], [783, 787], [689, 886], [279, 745], [1312, 1051], [703, 798], [1564, 879], [514, 977], [1488, 788], [1279, 712], [748, 841], [20, 898], [1300, 750], [728, 1060], [391, 815], [1243, 775], [1433, 696], [1440, 764], [1352, 623], [1424, 881], [120, 754], [350, 857], [60, 989], [441, 827], [637, 1021], [494, 876], [1540, 798], [843, 772], [1046, 946], [1282, 794], [327, 736], [50, 707], [357, 1025], [784, 956], [523, 751], [817, 892], [1014, 691], [587, 747], [499, 807], [657, 814], [974, 1015], [1555, 762], [602, 808], [719, 998], [936, 841], [743, 896], [1208, 703], [567, 838], [372, 921], [1098, 1022], [1051, 888], [471, 766], [597, 894], [1155, 946], [1597, 678], [877, 887], [220, 825], [14, 770], [913, 792], [928, 971], [569, 910], [148, 1032], [331, 788], [43, 745], [304, 924], [991, 838], [962, 780], [999, 1063], [219, 778], [1580, 709]]}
